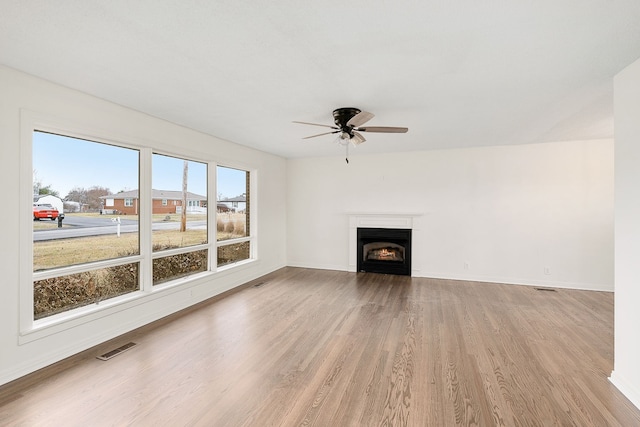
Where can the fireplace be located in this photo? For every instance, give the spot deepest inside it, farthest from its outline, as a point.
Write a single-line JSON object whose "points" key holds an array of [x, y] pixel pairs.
{"points": [[384, 250]]}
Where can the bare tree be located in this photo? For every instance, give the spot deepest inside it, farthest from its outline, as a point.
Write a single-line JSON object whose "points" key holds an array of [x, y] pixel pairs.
{"points": [[93, 196], [88, 198], [183, 217]]}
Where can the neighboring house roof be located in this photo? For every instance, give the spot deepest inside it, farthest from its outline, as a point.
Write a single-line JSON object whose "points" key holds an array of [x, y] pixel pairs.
{"points": [[234, 199], [155, 194]]}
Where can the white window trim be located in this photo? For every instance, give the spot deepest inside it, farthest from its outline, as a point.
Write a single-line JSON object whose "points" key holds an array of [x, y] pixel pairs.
{"points": [[253, 206], [30, 330], [31, 122]]}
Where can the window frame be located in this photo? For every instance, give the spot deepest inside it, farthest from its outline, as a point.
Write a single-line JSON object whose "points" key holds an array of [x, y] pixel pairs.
{"points": [[186, 249], [30, 329], [253, 223], [31, 122]]}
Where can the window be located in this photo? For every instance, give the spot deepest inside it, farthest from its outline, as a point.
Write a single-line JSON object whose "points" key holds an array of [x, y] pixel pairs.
{"points": [[86, 257], [232, 221], [177, 234], [131, 219]]}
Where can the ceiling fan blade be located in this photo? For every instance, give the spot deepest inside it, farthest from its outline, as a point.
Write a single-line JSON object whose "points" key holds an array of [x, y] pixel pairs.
{"points": [[320, 134], [357, 138], [360, 119], [383, 129], [316, 124]]}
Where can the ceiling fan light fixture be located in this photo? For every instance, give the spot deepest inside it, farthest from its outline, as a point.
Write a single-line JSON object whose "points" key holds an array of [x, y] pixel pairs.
{"points": [[349, 123], [344, 138]]}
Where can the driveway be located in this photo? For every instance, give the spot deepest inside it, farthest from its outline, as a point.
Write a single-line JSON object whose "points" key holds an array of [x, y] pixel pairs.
{"points": [[86, 221]]}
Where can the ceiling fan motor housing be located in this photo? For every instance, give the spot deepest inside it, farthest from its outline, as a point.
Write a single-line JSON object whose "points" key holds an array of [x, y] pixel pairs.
{"points": [[348, 123], [342, 115]]}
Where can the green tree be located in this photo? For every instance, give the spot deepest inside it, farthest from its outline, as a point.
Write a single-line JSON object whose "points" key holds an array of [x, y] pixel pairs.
{"points": [[47, 190], [40, 189]]}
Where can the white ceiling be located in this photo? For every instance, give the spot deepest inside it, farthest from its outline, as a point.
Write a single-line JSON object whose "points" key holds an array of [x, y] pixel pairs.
{"points": [[458, 73]]}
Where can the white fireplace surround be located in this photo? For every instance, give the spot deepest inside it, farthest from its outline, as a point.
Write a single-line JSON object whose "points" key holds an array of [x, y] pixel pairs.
{"points": [[384, 220]]}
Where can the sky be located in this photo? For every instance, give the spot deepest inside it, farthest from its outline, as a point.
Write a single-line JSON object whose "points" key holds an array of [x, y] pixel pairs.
{"points": [[64, 163]]}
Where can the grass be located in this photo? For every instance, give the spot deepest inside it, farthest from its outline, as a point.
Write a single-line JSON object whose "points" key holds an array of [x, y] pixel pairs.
{"points": [[230, 226], [58, 253], [47, 225], [58, 294], [175, 239], [63, 252]]}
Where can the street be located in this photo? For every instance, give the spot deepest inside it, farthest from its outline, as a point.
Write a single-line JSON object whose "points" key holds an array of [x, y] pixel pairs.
{"points": [[91, 226]]}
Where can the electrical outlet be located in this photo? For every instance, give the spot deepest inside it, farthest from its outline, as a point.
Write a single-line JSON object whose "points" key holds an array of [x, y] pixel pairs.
{"points": [[547, 270], [466, 265]]}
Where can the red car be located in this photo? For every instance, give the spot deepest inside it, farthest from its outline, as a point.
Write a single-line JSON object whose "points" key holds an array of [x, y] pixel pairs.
{"points": [[45, 211]]}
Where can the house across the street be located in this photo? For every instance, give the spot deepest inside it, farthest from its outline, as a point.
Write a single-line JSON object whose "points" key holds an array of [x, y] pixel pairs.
{"points": [[235, 204], [164, 202]]}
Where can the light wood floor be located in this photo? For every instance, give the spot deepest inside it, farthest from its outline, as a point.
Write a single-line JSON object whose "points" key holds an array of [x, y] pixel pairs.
{"points": [[327, 348]]}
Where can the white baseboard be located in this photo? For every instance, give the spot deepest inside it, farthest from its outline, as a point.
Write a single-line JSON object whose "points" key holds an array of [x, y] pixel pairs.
{"points": [[626, 388], [519, 281], [318, 266], [473, 278]]}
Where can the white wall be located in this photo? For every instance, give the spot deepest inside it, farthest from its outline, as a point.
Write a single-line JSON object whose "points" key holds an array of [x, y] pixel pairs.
{"points": [[21, 92], [509, 212], [626, 373]]}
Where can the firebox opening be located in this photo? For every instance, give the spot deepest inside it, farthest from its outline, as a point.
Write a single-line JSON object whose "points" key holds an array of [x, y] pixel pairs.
{"points": [[384, 250]]}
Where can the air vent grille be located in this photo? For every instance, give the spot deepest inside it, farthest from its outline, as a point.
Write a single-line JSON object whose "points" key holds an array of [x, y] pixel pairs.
{"points": [[113, 353]]}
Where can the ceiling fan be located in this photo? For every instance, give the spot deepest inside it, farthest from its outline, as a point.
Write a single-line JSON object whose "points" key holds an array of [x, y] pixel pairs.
{"points": [[348, 124]]}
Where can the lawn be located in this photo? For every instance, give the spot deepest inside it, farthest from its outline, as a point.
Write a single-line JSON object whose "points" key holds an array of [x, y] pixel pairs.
{"points": [[47, 225], [63, 252], [58, 253]]}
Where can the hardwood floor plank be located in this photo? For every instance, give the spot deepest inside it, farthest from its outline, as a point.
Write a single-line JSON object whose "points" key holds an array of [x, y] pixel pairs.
{"points": [[329, 348]]}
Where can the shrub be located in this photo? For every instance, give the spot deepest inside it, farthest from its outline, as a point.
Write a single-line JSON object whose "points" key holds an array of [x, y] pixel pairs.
{"points": [[238, 228]]}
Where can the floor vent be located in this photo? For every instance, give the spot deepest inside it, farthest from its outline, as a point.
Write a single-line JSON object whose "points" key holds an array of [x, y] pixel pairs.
{"points": [[113, 353], [257, 285], [546, 289]]}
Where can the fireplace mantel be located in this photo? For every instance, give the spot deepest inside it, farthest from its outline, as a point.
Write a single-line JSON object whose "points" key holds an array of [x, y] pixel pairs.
{"points": [[382, 220]]}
